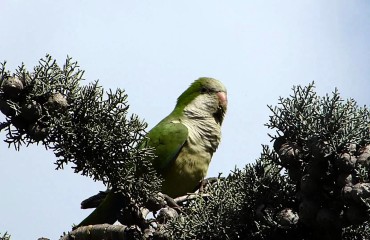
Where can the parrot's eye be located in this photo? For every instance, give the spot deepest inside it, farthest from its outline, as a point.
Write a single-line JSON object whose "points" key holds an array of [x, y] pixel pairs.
{"points": [[204, 90]]}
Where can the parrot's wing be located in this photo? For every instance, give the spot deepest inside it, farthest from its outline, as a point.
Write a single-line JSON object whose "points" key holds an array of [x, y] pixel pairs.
{"points": [[168, 137]]}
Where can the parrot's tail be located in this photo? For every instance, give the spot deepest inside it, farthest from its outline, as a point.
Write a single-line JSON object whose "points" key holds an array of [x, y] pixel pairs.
{"points": [[107, 211], [94, 201]]}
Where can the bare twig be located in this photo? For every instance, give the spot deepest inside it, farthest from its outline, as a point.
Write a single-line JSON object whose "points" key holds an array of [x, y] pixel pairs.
{"points": [[190, 196]]}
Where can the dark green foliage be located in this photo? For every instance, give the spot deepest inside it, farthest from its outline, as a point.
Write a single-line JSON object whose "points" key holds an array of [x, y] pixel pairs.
{"points": [[82, 125], [321, 142], [4, 236], [310, 120], [361, 232]]}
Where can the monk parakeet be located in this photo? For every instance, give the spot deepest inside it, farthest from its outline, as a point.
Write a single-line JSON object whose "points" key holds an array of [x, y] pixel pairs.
{"points": [[184, 142]]}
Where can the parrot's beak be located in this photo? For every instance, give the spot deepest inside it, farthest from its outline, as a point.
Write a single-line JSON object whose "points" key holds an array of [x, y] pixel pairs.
{"points": [[222, 99]]}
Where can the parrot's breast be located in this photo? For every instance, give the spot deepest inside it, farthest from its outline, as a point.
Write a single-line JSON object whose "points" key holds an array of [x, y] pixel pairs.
{"points": [[186, 171], [191, 164]]}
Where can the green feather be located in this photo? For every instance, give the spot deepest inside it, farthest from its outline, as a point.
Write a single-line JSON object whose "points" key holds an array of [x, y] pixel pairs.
{"points": [[167, 138]]}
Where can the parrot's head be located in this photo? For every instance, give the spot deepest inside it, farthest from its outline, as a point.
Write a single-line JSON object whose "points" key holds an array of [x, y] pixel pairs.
{"points": [[205, 97]]}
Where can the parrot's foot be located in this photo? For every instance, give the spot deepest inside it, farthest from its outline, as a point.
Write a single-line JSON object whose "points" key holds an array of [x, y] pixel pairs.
{"points": [[171, 202], [205, 182], [162, 201]]}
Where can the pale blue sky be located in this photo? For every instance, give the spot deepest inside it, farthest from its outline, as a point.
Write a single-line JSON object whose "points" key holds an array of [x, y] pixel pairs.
{"points": [[154, 50]]}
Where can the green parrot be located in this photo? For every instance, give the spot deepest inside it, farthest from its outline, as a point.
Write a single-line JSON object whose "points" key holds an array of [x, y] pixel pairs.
{"points": [[184, 144]]}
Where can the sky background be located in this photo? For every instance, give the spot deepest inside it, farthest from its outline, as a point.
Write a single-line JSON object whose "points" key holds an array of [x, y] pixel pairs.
{"points": [[154, 50]]}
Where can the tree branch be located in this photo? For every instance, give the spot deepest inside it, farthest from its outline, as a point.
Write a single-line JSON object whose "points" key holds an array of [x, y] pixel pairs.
{"points": [[98, 232]]}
